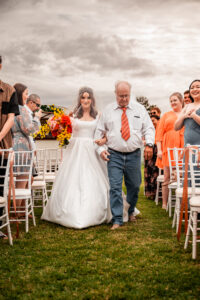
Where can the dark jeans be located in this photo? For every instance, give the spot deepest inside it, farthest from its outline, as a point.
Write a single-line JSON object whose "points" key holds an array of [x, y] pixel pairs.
{"points": [[129, 166], [2, 173]]}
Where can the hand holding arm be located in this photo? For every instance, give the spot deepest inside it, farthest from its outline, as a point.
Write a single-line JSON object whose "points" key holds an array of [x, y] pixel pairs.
{"points": [[104, 155], [195, 117]]}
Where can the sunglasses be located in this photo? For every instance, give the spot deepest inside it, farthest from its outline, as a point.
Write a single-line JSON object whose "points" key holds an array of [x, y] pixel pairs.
{"points": [[37, 104]]}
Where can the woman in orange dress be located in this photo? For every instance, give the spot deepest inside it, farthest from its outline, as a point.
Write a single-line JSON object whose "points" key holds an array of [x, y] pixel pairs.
{"points": [[167, 137]]}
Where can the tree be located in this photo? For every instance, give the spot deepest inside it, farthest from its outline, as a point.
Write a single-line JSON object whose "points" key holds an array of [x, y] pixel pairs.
{"points": [[145, 102]]}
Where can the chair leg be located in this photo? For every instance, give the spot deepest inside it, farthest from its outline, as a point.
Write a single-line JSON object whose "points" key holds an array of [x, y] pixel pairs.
{"points": [[26, 216], [157, 194], [188, 232], [8, 227], [175, 212], [32, 212], [169, 203], [194, 236]]}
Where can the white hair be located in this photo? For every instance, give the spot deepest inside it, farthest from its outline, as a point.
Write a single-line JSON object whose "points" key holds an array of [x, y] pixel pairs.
{"points": [[117, 83]]}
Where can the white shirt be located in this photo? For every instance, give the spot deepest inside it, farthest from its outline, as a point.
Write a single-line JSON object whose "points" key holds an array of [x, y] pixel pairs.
{"points": [[110, 125], [35, 119]]}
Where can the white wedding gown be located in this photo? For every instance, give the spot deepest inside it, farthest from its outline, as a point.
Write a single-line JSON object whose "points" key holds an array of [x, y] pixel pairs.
{"points": [[80, 194]]}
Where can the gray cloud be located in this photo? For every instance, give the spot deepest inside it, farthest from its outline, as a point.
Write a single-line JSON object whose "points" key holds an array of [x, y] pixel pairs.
{"points": [[101, 54]]}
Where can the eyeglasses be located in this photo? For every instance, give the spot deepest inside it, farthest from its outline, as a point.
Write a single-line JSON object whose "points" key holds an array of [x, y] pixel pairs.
{"points": [[37, 104], [123, 96]]}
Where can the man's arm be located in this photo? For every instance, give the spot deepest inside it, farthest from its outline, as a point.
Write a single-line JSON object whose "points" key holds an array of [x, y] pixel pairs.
{"points": [[149, 133], [7, 126]]}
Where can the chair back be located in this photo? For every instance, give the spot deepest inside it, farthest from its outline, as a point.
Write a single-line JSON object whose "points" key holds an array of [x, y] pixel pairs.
{"points": [[5, 158], [39, 163], [178, 154], [194, 167], [172, 164], [53, 160], [22, 166]]}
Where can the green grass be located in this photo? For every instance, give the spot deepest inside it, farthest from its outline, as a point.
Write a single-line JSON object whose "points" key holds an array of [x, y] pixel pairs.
{"points": [[141, 260]]}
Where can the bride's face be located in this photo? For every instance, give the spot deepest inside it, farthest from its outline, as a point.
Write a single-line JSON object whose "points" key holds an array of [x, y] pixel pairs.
{"points": [[86, 101]]}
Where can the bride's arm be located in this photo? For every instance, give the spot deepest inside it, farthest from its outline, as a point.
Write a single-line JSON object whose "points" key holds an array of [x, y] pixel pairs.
{"points": [[100, 133]]}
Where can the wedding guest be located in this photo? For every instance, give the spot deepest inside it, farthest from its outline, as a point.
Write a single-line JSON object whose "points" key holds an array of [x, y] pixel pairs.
{"points": [[190, 116], [155, 111], [8, 109], [32, 105], [167, 137], [24, 125], [187, 98], [150, 169], [124, 123]]}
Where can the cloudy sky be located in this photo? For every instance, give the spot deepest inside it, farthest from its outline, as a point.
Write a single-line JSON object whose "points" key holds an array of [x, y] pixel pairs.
{"points": [[57, 46]]}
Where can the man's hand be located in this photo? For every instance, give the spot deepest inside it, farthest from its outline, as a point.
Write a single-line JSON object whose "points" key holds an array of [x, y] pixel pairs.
{"points": [[148, 153], [104, 155]]}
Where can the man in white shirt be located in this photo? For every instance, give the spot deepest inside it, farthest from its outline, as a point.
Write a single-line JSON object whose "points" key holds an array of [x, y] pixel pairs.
{"points": [[124, 123], [33, 107]]}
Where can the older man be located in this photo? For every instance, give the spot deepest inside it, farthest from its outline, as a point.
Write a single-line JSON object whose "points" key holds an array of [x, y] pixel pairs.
{"points": [[124, 123], [33, 107], [8, 110]]}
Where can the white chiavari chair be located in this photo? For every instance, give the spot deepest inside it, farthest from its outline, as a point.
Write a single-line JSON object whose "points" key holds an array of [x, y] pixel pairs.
{"points": [[172, 186], [5, 157], [39, 192], [53, 161], [22, 171], [180, 171], [160, 180], [194, 202]]}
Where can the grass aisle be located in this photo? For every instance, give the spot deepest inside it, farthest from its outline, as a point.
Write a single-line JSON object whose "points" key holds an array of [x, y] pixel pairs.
{"points": [[139, 261]]}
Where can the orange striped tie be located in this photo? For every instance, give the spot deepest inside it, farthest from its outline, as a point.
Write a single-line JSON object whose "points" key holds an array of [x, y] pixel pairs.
{"points": [[125, 130]]}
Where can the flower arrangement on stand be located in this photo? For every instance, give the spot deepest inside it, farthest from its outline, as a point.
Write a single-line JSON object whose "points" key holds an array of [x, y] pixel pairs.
{"points": [[59, 126]]}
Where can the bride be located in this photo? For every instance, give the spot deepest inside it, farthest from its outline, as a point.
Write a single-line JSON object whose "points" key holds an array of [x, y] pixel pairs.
{"points": [[80, 194]]}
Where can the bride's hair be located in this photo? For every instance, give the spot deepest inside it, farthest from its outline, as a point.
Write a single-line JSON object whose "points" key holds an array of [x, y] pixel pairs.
{"points": [[78, 111]]}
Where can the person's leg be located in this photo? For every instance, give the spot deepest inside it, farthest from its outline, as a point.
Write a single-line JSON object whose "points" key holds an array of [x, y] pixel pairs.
{"points": [[132, 177], [165, 190], [115, 174]]}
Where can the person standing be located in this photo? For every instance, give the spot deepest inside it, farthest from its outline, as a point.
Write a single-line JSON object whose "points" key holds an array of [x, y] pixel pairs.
{"points": [[32, 105], [167, 137], [124, 123], [151, 171], [190, 116], [8, 109], [24, 126], [187, 99]]}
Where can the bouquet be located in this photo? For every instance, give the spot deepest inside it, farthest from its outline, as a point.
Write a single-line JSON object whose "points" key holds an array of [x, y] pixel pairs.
{"points": [[59, 126]]}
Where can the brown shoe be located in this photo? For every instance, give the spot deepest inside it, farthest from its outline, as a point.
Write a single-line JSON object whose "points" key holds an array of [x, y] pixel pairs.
{"points": [[132, 218], [115, 226]]}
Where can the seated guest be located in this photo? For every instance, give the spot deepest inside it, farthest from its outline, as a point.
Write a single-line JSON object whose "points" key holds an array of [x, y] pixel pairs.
{"points": [[8, 109]]}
